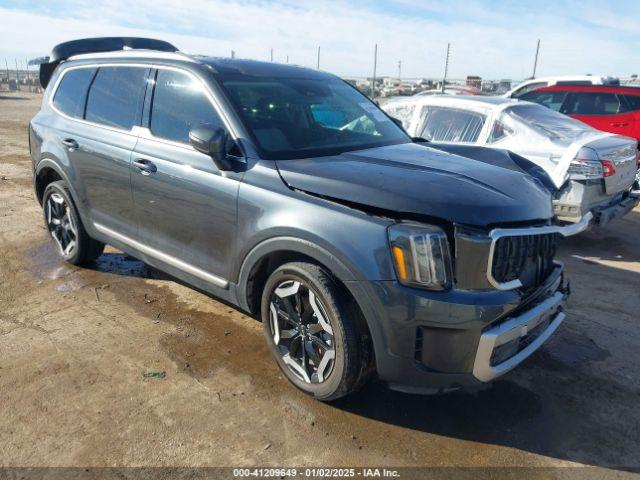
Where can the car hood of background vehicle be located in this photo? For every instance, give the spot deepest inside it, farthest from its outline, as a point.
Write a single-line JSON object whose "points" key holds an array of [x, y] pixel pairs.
{"points": [[414, 179]]}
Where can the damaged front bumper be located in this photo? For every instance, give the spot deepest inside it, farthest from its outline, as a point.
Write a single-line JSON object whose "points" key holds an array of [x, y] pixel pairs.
{"points": [[428, 342]]}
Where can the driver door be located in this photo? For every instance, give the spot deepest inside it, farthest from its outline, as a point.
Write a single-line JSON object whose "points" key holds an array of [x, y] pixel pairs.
{"points": [[185, 206]]}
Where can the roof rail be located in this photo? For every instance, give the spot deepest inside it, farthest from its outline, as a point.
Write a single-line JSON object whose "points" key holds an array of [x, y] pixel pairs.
{"points": [[65, 50]]}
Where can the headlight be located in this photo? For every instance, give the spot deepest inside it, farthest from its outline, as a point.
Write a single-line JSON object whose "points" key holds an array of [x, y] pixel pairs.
{"points": [[421, 256]]}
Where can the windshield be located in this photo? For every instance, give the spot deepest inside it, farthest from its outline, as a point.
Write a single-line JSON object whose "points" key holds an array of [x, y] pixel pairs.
{"points": [[300, 117], [548, 122]]}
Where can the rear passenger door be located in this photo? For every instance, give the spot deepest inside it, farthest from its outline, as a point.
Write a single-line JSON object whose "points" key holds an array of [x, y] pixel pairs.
{"points": [[98, 136], [633, 102], [185, 206], [605, 111]]}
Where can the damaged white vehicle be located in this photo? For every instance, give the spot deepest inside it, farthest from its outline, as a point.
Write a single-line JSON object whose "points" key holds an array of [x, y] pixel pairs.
{"points": [[591, 171]]}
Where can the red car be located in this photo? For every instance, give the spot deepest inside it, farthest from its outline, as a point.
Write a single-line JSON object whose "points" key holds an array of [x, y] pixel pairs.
{"points": [[608, 108]]}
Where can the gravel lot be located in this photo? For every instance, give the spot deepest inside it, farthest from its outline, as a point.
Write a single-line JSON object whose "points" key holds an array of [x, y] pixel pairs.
{"points": [[75, 342]]}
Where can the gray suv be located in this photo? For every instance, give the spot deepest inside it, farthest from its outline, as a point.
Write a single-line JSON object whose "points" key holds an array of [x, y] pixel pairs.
{"points": [[286, 192]]}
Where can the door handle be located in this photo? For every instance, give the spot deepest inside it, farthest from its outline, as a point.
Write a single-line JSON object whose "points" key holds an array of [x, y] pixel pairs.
{"points": [[146, 166], [70, 143]]}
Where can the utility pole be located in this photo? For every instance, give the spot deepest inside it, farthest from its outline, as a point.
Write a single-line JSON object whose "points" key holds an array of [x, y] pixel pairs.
{"points": [[26, 66], [318, 63], [287, 58], [233, 54], [446, 67], [272, 54], [373, 79], [400, 70], [6, 64], [17, 74], [535, 61]]}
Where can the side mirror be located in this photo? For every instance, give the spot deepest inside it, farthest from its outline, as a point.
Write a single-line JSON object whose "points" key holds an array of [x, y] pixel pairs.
{"points": [[211, 141]]}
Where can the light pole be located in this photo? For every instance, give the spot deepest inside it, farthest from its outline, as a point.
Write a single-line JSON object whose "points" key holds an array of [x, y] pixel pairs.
{"points": [[375, 64], [535, 61]]}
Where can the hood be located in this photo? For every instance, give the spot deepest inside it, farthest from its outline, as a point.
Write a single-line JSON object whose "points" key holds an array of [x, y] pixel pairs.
{"points": [[414, 179]]}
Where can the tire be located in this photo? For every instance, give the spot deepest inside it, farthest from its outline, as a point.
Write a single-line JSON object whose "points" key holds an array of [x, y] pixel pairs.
{"points": [[308, 309], [65, 227]]}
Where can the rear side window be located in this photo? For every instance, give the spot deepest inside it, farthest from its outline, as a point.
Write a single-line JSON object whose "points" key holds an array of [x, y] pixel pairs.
{"points": [[179, 104], [116, 96], [72, 91], [633, 101], [593, 103], [552, 100], [452, 125]]}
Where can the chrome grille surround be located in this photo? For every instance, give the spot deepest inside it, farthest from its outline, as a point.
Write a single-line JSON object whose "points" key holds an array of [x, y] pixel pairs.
{"points": [[498, 233]]}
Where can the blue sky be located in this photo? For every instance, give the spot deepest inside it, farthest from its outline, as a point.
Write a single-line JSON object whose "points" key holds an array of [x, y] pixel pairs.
{"points": [[491, 38]]}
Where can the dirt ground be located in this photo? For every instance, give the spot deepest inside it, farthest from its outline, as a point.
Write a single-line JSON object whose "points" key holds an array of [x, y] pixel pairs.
{"points": [[75, 342]]}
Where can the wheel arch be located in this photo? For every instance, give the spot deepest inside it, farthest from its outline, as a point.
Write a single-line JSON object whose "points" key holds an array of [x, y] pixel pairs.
{"points": [[269, 254]]}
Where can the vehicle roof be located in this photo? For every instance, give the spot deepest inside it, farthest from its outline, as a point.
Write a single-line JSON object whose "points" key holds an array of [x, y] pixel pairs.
{"points": [[225, 66], [480, 100], [591, 88]]}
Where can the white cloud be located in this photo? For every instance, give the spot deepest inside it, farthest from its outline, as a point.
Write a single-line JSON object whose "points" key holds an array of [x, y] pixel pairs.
{"points": [[494, 42]]}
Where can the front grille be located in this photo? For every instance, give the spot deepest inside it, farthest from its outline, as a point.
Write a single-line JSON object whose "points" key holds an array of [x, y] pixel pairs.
{"points": [[528, 258]]}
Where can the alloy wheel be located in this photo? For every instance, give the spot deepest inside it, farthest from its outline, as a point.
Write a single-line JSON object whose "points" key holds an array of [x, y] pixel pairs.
{"points": [[302, 331], [60, 224]]}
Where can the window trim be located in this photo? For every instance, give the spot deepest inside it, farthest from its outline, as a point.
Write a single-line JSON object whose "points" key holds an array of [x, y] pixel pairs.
{"points": [[142, 130]]}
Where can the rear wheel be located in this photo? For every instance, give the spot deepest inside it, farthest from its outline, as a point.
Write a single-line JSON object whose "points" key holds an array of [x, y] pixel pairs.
{"points": [[314, 331], [65, 227]]}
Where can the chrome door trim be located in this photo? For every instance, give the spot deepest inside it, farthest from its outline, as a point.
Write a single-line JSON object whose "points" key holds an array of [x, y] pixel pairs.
{"points": [[173, 261], [498, 233]]}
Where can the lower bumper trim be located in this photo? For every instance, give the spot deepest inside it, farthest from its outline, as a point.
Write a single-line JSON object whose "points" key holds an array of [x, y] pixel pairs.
{"points": [[514, 329]]}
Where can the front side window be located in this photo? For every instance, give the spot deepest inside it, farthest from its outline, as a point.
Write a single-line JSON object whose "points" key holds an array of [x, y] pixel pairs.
{"points": [[633, 101], [593, 103], [550, 99], [304, 117], [451, 125], [528, 88], [116, 95], [72, 91], [179, 104]]}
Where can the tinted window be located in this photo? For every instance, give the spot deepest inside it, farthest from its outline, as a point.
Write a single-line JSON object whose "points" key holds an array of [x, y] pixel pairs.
{"points": [[633, 101], [452, 125], [116, 96], [301, 117], [72, 91], [179, 103], [528, 88], [593, 103], [553, 100]]}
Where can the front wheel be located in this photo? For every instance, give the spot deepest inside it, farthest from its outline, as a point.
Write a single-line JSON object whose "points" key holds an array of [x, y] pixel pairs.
{"points": [[314, 331], [65, 227]]}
